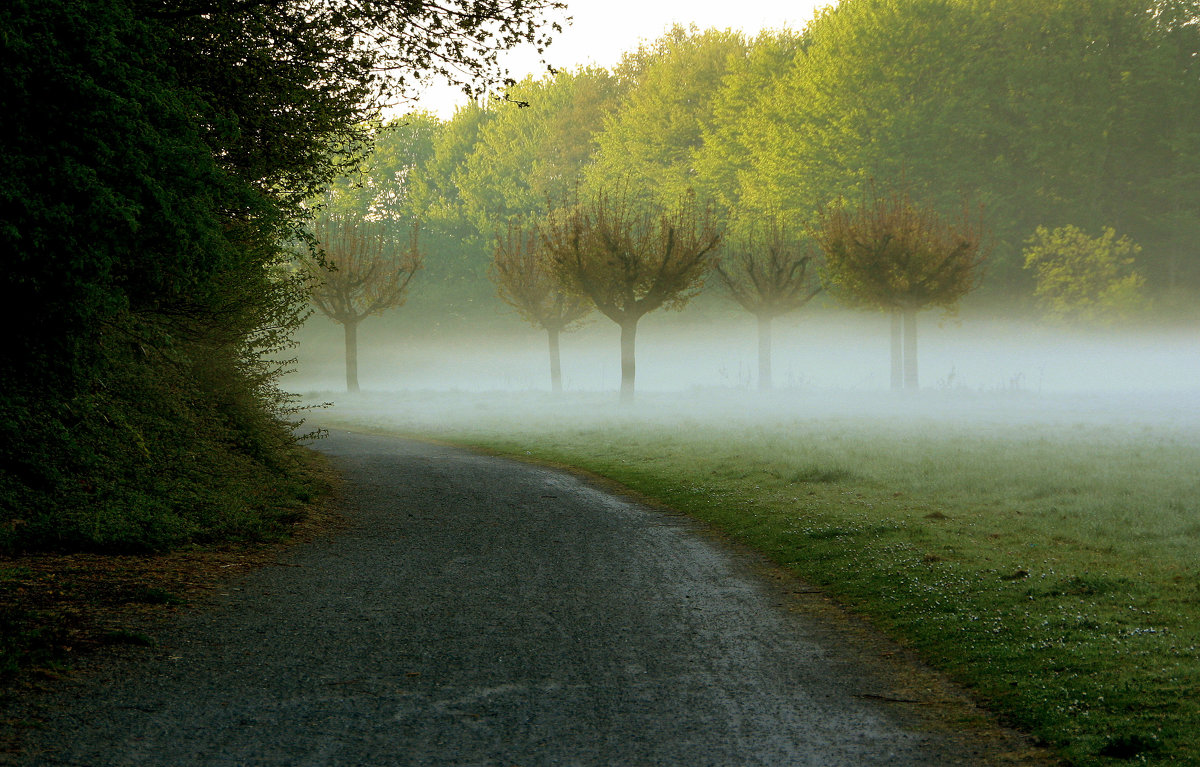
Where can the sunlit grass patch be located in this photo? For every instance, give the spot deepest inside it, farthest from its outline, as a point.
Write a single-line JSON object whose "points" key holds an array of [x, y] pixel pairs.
{"points": [[1047, 557]]}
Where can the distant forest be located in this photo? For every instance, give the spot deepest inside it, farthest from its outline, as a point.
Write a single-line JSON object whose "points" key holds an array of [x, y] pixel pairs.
{"points": [[1071, 127]]}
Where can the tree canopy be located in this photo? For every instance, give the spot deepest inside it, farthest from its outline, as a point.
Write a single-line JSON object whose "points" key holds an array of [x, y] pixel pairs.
{"points": [[364, 271], [525, 280], [1044, 113], [766, 270], [157, 156], [527, 158], [1080, 277], [649, 143]]}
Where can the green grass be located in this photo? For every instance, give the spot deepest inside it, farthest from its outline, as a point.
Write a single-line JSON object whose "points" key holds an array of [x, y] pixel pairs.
{"points": [[1048, 558]]}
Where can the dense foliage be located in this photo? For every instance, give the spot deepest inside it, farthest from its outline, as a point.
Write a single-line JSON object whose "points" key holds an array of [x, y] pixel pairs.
{"points": [[1079, 276], [1041, 113], [1046, 113], [157, 155]]}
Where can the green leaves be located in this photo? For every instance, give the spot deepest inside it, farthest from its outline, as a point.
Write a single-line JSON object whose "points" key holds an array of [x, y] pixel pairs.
{"points": [[651, 142], [1045, 113], [527, 158], [157, 155], [1039, 113], [1085, 278]]}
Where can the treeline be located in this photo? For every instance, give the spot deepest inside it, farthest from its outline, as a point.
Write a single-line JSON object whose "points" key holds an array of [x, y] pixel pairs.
{"points": [[158, 158], [1071, 125]]}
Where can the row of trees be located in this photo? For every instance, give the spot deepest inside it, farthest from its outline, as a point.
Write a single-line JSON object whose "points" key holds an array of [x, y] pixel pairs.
{"points": [[1045, 113], [887, 253], [1062, 122], [605, 254]]}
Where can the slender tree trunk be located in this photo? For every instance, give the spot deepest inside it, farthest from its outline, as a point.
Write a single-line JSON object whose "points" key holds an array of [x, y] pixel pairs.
{"points": [[628, 362], [555, 363], [897, 351], [910, 349], [764, 352], [351, 327]]}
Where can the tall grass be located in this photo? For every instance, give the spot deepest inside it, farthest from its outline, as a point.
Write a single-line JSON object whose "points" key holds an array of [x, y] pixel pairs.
{"points": [[1045, 552]]}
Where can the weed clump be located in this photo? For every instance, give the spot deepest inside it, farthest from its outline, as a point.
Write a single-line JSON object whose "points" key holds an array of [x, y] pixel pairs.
{"points": [[821, 475]]}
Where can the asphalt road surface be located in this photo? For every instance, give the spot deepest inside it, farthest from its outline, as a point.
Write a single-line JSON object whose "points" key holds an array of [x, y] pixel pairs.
{"points": [[480, 611]]}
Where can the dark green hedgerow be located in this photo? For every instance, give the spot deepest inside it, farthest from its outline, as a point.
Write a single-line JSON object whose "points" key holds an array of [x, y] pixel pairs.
{"points": [[162, 452]]}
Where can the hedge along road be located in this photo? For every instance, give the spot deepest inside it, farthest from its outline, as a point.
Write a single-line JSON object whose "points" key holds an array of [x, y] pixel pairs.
{"points": [[481, 611]]}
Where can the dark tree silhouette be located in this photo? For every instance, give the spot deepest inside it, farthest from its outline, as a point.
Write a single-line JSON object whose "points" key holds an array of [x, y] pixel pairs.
{"points": [[768, 273], [891, 254], [365, 273], [628, 262], [525, 281]]}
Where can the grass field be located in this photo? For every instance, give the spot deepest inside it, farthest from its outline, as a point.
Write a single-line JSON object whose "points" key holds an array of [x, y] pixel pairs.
{"points": [[1043, 550]]}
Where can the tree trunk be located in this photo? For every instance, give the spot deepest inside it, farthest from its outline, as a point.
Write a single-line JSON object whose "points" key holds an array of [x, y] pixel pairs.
{"points": [[351, 355], [764, 352], [628, 363], [897, 352], [555, 363], [910, 349]]}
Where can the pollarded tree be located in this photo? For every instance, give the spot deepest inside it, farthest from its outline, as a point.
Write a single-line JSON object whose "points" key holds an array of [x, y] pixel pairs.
{"points": [[629, 263], [365, 273], [525, 280], [891, 254], [767, 272]]}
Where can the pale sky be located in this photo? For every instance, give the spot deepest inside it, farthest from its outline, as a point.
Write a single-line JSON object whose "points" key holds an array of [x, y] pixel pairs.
{"points": [[604, 29]]}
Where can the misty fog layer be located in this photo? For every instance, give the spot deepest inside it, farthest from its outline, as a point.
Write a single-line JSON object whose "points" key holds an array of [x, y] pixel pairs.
{"points": [[821, 352]]}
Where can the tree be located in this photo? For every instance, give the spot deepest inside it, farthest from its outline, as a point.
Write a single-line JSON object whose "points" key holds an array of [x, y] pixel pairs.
{"points": [[629, 263], [891, 254], [527, 155], [459, 252], [767, 273], [388, 185], [724, 161], [157, 157], [525, 281], [1085, 278], [650, 142], [365, 274]]}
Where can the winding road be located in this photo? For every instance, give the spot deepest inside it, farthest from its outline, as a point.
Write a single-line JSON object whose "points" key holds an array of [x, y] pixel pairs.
{"points": [[482, 611]]}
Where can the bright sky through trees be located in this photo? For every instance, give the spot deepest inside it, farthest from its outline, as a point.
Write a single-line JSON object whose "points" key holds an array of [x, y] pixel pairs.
{"points": [[602, 30]]}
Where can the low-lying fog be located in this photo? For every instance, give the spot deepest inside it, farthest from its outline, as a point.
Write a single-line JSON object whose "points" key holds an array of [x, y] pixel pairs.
{"points": [[824, 362], [827, 351]]}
